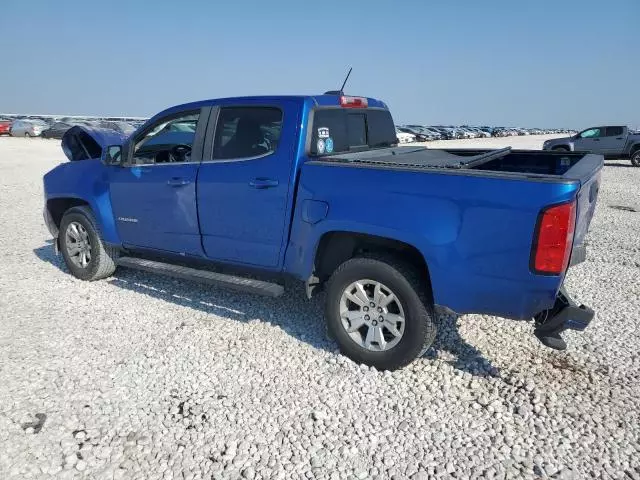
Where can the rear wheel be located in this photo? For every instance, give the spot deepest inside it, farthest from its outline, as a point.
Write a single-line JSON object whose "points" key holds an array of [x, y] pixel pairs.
{"points": [[635, 158], [27, 135], [560, 149], [377, 312], [85, 253]]}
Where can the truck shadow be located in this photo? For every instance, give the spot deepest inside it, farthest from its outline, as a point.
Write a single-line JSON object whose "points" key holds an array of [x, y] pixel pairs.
{"points": [[292, 313], [452, 348]]}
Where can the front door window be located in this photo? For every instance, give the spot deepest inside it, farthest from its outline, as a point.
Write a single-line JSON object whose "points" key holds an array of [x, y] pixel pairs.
{"points": [[168, 141]]}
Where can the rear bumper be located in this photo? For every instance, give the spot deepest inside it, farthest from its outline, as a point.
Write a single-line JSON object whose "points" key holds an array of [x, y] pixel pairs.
{"points": [[565, 315]]}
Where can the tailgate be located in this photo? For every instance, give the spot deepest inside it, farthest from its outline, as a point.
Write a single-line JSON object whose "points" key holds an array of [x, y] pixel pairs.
{"points": [[587, 171]]}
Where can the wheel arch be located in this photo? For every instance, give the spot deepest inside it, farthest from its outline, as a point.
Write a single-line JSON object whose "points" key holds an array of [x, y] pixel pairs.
{"points": [[57, 206], [336, 247]]}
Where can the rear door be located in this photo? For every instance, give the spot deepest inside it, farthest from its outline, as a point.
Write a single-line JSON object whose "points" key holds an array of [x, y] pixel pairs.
{"points": [[613, 141], [153, 195], [243, 183], [590, 140]]}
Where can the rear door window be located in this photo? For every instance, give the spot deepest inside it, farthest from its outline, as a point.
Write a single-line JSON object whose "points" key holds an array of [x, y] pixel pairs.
{"points": [[247, 132], [614, 131]]}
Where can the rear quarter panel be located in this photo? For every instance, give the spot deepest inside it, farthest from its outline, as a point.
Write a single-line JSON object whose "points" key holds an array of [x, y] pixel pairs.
{"points": [[474, 230]]}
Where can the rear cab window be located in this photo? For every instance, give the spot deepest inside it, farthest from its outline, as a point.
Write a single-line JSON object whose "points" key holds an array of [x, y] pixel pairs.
{"points": [[340, 130], [614, 131]]}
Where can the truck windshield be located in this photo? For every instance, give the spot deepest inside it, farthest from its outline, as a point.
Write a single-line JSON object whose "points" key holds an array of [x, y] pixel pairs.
{"points": [[339, 130]]}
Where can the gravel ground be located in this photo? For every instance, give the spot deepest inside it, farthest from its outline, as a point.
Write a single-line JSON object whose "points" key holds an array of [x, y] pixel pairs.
{"points": [[143, 377]]}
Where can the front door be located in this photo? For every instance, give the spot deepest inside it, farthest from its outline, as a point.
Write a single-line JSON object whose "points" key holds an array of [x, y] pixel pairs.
{"points": [[154, 193], [244, 183], [590, 140]]}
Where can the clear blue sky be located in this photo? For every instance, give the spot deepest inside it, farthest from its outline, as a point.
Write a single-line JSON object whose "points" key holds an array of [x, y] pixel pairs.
{"points": [[531, 63]]}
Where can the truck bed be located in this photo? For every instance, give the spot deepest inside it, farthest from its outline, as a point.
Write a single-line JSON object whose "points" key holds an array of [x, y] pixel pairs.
{"points": [[471, 214], [561, 165]]}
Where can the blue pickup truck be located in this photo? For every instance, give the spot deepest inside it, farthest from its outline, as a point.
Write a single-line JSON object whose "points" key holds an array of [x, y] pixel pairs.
{"points": [[243, 192]]}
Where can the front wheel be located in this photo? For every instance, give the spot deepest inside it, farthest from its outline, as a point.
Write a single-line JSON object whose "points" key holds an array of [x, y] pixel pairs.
{"points": [[85, 253], [635, 158], [377, 311]]}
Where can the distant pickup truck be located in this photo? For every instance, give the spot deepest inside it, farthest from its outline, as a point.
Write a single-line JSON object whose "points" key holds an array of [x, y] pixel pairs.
{"points": [[613, 142], [316, 188]]}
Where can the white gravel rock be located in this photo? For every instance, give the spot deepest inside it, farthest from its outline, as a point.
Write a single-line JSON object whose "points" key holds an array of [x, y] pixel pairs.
{"points": [[147, 377]]}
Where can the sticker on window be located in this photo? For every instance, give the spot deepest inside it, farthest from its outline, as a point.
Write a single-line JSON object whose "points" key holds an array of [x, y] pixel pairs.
{"points": [[323, 132], [328, 145], [320, 146]]}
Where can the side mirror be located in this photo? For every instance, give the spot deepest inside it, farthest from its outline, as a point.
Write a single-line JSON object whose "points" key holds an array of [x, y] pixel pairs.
{"points": [[113, 155]]}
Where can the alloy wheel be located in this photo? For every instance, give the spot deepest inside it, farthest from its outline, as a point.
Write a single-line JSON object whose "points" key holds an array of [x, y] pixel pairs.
{"points": [[372, 315]]}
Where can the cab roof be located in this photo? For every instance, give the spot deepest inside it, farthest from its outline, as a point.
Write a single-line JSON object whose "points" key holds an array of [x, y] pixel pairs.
{"points": [[323, 100]]}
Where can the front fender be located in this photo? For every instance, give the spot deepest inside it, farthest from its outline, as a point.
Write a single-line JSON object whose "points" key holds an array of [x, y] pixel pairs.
{"points": [[85, 181]]}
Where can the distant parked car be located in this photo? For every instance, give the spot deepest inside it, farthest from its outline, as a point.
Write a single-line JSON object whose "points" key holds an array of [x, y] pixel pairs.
{"points": [[126, 127], [430, 134], [27, 128], [469, 132], [5, 127], [481, 133], [404, 137], [416, 132], [57, 130], [611, 141], [446, 133], [458, 133], [433, 132]]}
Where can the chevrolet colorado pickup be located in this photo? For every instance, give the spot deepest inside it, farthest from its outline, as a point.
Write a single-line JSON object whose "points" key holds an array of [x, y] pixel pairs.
{"points": [[316, 188], [611, 142]]}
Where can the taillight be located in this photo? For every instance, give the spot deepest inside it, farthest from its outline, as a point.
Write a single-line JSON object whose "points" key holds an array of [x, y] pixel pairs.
{"points": [[353, 102], [553, 239]]}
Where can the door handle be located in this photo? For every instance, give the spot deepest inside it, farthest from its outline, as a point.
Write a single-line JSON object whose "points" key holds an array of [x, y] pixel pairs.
{"points": [[596, 139], [178, 182], [262, 183], [619, 138]]}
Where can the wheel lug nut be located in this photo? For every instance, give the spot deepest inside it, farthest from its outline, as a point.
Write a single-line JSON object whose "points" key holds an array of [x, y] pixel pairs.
{"points": [[372, 304], [366, 309], [380, 309], [381, 318], [366, 317]]}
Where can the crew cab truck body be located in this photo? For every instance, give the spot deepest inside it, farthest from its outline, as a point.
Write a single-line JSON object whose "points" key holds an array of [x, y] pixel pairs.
{"points": [[315, 188], [615, 142]]}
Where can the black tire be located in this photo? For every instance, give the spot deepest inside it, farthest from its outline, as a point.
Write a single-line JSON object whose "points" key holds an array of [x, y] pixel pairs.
{"points": [[560, 149], [409, 288], [27, 135], [103, 257], [635, 158]]}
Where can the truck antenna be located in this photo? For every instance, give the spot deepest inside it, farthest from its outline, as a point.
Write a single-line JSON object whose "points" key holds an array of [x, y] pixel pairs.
{"points": [[345, 80], [341, 91]]}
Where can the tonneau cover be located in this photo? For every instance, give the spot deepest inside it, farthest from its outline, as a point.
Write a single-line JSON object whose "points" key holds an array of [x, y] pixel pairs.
{"points": [[417, 157]]}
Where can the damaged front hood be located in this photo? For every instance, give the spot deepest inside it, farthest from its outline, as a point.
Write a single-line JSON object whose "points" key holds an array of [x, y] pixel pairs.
{"points": [[83, 142]]}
